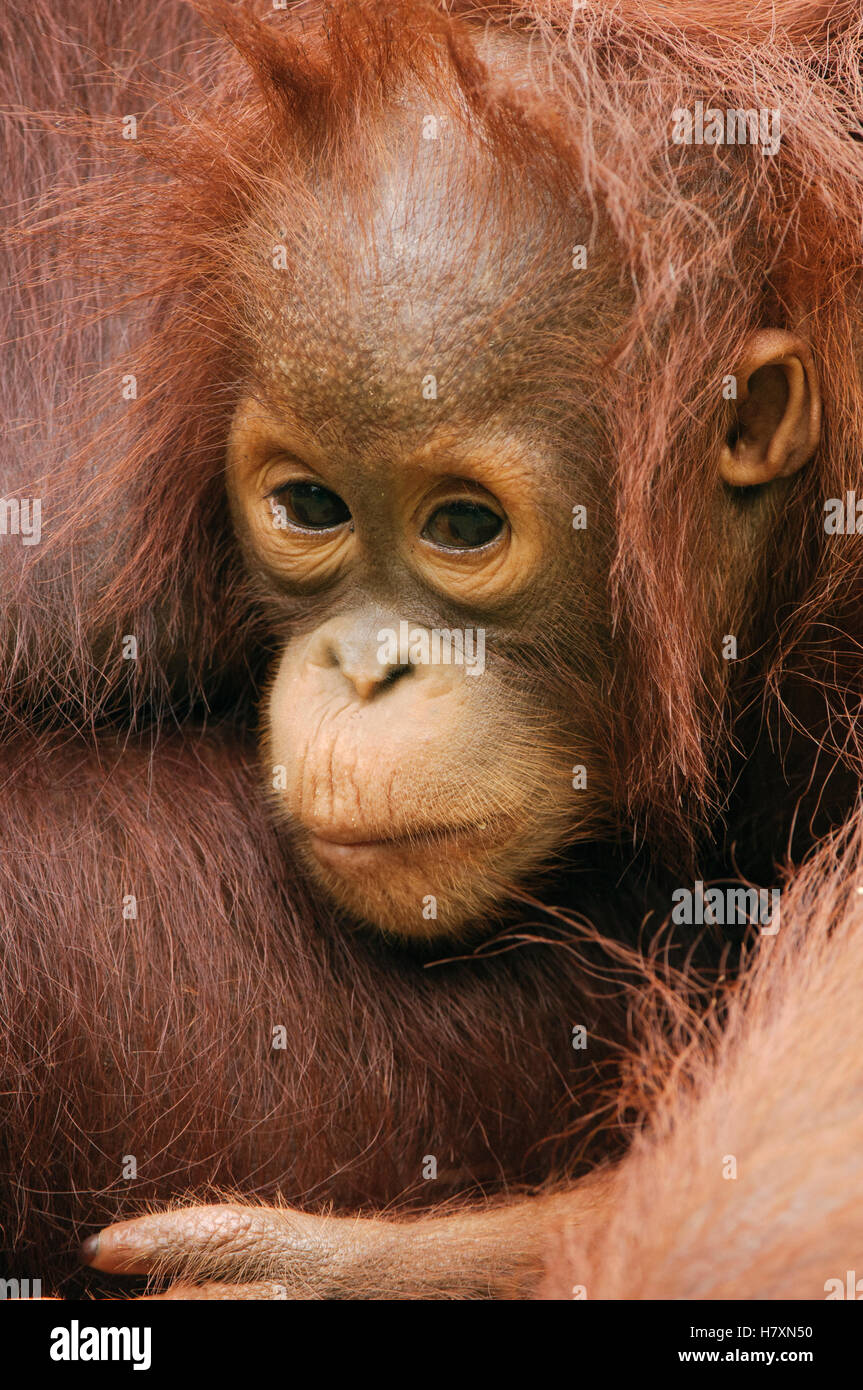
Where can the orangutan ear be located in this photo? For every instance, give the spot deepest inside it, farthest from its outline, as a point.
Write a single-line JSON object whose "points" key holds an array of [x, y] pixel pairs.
{"points": [[778, 423]]}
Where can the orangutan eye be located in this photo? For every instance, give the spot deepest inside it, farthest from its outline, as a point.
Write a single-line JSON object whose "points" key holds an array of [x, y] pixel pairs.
{"points": [[310, 506], [463, 526]]}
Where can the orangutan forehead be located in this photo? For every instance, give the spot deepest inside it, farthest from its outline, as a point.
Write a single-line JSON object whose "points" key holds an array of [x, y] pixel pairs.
{"points": [[426, 278]]}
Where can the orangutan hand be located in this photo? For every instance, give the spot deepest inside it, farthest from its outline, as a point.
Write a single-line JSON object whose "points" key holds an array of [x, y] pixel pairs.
{"points": [[231, 1251]]}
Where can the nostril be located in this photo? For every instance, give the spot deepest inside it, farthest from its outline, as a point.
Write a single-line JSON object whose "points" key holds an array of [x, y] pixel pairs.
{"points": [[393, 675], [368, 685]]}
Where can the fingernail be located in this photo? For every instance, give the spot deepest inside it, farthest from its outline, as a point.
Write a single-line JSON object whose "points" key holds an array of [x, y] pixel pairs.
{"points": [[89, 1249]]}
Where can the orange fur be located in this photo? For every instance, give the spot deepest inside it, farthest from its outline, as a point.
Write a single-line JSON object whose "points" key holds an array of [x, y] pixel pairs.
{"points": [[132, 253]]}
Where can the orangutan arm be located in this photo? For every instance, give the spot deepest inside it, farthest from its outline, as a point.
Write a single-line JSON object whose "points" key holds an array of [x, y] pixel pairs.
{"points": [[232, 1251]]}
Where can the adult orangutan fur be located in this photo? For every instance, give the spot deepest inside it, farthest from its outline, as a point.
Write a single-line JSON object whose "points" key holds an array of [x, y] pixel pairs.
{"points": [[151, 1034]]}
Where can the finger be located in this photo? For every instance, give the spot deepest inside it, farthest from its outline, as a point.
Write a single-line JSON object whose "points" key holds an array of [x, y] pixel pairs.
{"points": [[265, 1289], [166, 1240]]}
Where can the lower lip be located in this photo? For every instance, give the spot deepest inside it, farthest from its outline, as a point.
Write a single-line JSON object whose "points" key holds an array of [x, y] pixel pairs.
{"points": [[358, 851], [340, 849]]}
